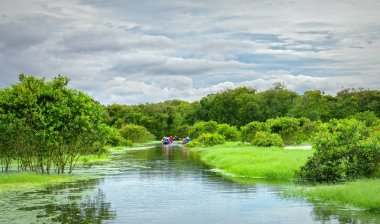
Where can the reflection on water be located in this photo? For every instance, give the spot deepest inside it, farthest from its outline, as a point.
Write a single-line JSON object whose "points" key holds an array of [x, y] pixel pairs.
{"points": [[168, 184], [325, 212], [78, 202]]}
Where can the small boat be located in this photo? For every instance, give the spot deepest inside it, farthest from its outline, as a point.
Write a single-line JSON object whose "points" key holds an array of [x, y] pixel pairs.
{"points": [[186, 140], [166, 141]]}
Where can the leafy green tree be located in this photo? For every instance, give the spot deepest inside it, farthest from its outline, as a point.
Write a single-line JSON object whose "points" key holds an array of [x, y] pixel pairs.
{"points": [[248, 132], [345, 150], [59, 123], [248, 108], [202, 127], [224, 107], [114, 138], [346, 104], [368, 117], [267, 139], [276, 102], [230, 133], [313, 105], [136, 133], [286, 127]]}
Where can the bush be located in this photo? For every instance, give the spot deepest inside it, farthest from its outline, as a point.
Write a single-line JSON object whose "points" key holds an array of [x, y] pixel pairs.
{"points": [[286, 127], [368, 117], [202, 127], [248, 131], [306, 131], [208, 139], [136, 133], [194, 143], [267, 139], [229, 132], [344, 151], [114, 138]]}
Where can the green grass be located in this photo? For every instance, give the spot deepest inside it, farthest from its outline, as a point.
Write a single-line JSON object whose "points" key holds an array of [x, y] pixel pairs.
{"points": [[11, 181], [362, 193], [29, 180], [255, 162]]}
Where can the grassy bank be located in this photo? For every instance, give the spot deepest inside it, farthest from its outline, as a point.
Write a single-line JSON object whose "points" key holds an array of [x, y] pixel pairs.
{"points": [[13, 181], [362, 193], [255, 162], [29, 180]]}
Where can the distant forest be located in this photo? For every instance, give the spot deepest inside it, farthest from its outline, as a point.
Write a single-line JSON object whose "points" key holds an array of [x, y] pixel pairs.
{"points": [[46, 126], [243, 105]]}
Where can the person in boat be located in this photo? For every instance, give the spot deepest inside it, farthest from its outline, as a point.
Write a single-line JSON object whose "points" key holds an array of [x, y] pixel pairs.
{"points": [[185, 140], [165, 140]]}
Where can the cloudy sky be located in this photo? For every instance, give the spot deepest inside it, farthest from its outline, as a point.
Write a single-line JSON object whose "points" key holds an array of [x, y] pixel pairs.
{"points": [[136, 51]]}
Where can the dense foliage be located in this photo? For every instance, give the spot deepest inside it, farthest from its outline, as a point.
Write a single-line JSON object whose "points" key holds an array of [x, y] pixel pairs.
{"points": [[46, 125], [345, 149], [114, 138], [161, 119], [267, 139], [207, 140], [136, 133], [241, 106]]}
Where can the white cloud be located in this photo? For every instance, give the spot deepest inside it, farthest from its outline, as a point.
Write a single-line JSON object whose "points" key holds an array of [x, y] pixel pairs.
{"points": [[134, 51]]}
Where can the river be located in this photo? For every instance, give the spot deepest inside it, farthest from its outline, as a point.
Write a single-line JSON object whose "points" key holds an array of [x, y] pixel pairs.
{"points": [[168, 184]]}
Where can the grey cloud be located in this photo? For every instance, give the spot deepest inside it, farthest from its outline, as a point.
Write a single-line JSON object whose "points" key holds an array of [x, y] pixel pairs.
{"points": [[101, 39], [165, 66], [140, 51], [19, 34]]}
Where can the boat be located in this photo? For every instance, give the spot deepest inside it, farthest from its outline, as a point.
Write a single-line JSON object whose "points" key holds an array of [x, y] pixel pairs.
{"points": [[166, 141]]}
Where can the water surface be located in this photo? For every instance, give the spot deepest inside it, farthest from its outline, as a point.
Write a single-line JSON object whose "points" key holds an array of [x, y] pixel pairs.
{"points": [[168, 184]]}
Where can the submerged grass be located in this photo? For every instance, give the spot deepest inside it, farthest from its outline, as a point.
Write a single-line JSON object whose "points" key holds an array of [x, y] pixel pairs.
{"points": [[14, 181], [29, 180], [361, 193], [255, 162]]}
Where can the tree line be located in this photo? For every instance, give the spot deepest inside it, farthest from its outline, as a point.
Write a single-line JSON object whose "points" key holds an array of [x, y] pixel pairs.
{"points": [[344, 129], [240, 106], [46, 126]]}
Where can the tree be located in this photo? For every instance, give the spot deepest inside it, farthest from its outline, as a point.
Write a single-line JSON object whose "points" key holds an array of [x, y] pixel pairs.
{"points": [[249, 131], [276, 102], [136, 133], [345, 150], [286, 127], [202, 127], [57, 124], [224, 107], [312, 105]]}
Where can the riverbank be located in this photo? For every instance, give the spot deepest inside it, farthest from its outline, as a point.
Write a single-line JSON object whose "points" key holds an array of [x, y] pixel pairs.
{"points": [[15, 181], [241, 160], [235, 160], [363, 194]]}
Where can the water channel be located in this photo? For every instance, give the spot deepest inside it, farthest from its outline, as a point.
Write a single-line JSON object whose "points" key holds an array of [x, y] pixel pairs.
{"points": [[167, 184]]}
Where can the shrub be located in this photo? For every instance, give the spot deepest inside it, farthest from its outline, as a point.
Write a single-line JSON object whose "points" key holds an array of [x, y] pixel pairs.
{"points": [[344, 151], [267, 139], [208, 139], [194, 143], [368, 117], [136, 133], [202, 127], [286, 127], [114, 138], [248, 131], [229, 132], [307, 130]]}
